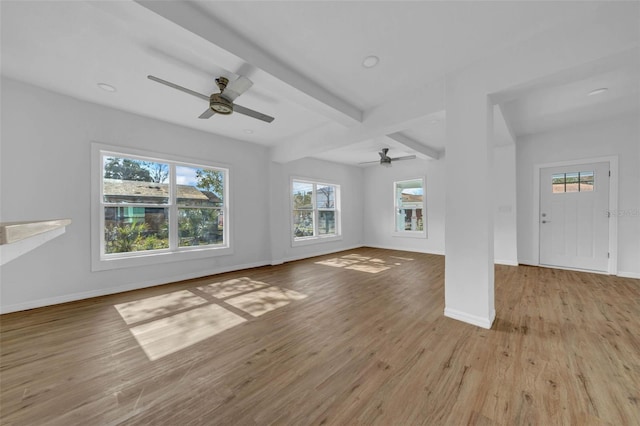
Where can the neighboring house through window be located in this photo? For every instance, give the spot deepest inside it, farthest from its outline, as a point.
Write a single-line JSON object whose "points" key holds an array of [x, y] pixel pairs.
{"points": [[315, 211], [410, 218], [145, 206]]}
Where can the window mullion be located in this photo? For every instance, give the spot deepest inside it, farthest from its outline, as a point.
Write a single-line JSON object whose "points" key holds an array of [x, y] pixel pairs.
{"points": [[316, 214], [173, 209]]}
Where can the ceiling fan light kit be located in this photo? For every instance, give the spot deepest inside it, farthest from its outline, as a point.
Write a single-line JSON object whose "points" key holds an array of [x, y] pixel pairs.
{"points": [[385, 160], [221, 103]]}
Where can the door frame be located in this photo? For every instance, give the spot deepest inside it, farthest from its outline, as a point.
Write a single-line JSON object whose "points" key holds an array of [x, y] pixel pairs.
{"points": [[612, 268]]}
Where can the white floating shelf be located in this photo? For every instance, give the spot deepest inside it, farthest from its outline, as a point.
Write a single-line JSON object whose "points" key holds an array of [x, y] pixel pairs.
{"points": [[18, 238]]}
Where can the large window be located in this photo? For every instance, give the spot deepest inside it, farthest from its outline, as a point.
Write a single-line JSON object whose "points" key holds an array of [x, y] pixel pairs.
{"points": [[315, 210], [410, 218], [148, 206]]}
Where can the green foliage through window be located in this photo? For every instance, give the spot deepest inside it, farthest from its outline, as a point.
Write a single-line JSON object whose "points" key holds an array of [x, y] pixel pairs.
{"points": [[140, 195]]}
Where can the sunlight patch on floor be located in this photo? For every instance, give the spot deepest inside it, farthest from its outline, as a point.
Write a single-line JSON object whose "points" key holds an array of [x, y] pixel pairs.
{"points": [[337, 262], [152, 307], [232, 287], [401, 258], [177, 330], [262, 301], [356, 262], [371, 268], [168, 335]]}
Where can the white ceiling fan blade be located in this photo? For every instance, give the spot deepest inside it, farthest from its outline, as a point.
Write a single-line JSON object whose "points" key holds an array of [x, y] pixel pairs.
{"points": [[406, 157], [175, 86], [251, 113], [370, 162], [237, 88], [207, 114]]}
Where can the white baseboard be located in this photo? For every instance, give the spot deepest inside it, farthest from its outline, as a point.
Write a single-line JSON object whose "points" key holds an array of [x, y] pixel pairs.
{"points": [[624, 274], [470, 319], [438, 252], [505, 262], [32, 304], [314, 254]]}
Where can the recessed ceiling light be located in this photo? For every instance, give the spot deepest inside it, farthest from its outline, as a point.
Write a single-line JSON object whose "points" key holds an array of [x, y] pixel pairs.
{"points": [[598, 91], [248, 131], [370, 61], [107, 87]]}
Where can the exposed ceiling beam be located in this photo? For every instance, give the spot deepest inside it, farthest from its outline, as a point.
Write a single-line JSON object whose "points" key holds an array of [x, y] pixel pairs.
{"points": [[199, 21], [391, 117], [415, 145]]}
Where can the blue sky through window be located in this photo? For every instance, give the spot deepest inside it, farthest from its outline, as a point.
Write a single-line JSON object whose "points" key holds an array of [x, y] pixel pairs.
{"points": [[186, 176]]}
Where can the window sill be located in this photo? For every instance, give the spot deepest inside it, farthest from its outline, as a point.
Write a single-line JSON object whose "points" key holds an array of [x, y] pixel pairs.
{"points": [[147, 259], [410, 234], [315, 240]]}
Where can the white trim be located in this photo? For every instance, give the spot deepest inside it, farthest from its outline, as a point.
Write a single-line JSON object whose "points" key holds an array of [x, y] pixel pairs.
{"points": [[124, 288], [410, 234], [411, 250], [624, 274], [565, 268], [315, 239], [612, 268], [100, 262], [505, 262], [471, 319], [316, 254], [308, 241]]}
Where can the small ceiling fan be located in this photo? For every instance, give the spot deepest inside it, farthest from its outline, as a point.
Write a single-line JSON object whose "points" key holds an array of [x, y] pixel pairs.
{"points": [[222, 103], [385, 160]]}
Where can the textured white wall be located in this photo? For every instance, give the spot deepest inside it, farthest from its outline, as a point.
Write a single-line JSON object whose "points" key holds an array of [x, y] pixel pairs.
{"points": [[45, 173], [615, 137], [351, 205], [378, 205], [505, 246]]}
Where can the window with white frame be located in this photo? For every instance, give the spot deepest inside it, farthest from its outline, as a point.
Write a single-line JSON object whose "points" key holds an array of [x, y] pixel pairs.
{"points": [[315, 210], [410, 218], [150, 206]]}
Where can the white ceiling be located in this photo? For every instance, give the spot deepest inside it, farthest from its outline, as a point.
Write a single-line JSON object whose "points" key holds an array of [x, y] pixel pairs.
{"points": [[305, 61]]}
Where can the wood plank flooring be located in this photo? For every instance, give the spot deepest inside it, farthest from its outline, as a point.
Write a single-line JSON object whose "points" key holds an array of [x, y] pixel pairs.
{"points": [[353, 338]]}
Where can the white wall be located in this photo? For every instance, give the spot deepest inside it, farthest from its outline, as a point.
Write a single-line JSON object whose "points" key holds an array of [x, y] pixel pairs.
{"points": [[378, 209], [350, 179], [45, 173], [505, 246], [615, 137], [379, 205]]}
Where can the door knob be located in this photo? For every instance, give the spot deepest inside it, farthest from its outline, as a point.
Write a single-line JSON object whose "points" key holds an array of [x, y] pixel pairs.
{"points": [[546, 221]]}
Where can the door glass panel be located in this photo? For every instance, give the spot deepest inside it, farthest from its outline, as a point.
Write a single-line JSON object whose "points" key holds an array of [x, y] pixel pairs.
{"points": [[586, 181], [557, 182], [572, 182]]}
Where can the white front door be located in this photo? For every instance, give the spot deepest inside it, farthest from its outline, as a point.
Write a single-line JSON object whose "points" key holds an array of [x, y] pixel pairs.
{"points": [[574, 220]]}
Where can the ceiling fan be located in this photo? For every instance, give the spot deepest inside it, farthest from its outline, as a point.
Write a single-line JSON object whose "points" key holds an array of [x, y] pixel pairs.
{"points": [[385, 160], [222, 103]]}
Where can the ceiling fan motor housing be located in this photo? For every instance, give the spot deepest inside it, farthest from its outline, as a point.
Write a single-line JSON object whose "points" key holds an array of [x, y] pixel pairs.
{"points": [[220, 105]]}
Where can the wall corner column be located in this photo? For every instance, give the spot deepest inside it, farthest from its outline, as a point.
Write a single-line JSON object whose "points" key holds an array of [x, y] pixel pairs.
{"points": [[469, 236]]}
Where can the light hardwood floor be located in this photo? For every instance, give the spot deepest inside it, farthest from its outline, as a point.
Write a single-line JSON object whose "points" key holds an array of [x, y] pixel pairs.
{"points": [[357, 337]]}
